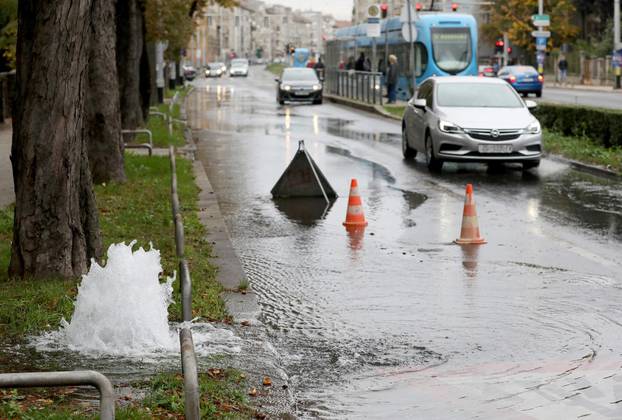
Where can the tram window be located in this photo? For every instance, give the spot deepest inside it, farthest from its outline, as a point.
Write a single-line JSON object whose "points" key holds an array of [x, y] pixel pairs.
{"points": [[451, 48]]}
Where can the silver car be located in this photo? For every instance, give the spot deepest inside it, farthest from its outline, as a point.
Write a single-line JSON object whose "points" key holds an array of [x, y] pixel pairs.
{"points": [[470, 119]]}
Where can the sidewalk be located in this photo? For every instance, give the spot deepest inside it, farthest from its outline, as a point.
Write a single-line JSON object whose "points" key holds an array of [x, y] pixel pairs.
{"points": [[6, 172], [590, 88]]}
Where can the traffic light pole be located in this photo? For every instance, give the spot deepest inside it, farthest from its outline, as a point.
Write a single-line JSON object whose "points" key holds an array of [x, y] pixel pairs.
{"points": [[540, 12]]}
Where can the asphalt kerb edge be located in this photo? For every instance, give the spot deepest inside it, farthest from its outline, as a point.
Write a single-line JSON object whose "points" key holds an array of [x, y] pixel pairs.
{"points": [[230, 273]]}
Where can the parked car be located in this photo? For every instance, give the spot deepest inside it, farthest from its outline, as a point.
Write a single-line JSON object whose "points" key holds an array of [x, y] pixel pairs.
{"points": [[298, 84], [525, 79], [189, 72], [215, 70], [239, 67], [486, 71], [470, 119]]}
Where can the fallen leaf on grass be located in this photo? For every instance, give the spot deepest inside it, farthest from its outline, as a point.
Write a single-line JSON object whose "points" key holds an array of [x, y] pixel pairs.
{"points": [[252, 392], [267, 381]]}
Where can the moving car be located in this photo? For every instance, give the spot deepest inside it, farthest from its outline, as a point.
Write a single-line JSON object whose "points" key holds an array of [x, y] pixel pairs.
{"points": [[525, 79], [215, 70], [239, 67], [486, 71], [470, 119], [189, 72], [298, 84]]}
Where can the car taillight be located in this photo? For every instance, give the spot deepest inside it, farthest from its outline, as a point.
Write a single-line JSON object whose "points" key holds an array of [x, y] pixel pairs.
{"points": [[481, 75], [540, 78], [512, 79]]}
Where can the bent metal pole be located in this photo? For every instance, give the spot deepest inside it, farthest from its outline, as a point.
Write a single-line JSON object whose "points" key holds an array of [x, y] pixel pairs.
{"points": [[69, 378]]}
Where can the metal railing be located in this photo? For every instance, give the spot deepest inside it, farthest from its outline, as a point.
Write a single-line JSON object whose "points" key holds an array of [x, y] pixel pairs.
{"points": [[360, 86], [188, 357], [71, 378], [148, 146]]}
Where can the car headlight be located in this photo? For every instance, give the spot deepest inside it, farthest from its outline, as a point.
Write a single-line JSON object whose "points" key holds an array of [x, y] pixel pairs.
{"points": [[317, 87], [533, 128], [218, 71], [447, 127], [286, 87]]}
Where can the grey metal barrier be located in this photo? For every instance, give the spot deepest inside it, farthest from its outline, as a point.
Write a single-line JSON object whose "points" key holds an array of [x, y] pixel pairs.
{"points": [[148, 146], [188, 358], [70, 378], [360, 86], [192, 408]]}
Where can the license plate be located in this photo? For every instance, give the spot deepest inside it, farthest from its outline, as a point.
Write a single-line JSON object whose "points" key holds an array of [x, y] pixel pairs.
{"points": [[495, 148], [528, 79], [301, 93]]}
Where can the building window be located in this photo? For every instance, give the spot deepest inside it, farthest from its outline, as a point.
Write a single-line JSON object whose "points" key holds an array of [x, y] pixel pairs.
{"points": [[284, 20], [237, 21], [209, 20], [266, 22]]}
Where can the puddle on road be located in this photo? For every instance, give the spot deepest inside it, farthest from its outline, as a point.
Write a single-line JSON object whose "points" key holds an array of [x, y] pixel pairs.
{"points": [[359, 317]]}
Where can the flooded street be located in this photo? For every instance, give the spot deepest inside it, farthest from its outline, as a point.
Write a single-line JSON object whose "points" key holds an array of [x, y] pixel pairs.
{"points": [[397, 321]]}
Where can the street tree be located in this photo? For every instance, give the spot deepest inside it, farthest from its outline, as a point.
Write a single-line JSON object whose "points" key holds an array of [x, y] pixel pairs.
{"points": [[132, 63], [56, 228], [8, 33], [514, 17], [103, 118]]}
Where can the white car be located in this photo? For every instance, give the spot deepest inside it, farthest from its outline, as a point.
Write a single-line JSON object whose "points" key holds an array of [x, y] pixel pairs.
{"points": [[239, 67]]}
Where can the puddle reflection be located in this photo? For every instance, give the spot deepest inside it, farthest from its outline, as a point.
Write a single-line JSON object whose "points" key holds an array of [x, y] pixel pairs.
{"points": [[470, 255], [304, 211], [356, 234]]}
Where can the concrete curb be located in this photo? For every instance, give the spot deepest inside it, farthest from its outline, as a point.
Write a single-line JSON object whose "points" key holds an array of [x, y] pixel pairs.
{"points": [[584, 167], [242, 307], [580, 166]]}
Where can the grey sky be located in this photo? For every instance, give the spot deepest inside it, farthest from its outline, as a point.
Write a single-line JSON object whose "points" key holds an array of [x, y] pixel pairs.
{"points": [[341, 9]]}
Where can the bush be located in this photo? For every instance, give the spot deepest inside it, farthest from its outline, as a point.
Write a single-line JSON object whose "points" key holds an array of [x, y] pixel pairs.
{"points": [[602, 126]]}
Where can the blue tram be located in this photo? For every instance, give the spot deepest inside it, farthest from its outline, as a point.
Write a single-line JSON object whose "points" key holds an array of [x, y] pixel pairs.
{"points": [[446, 45], [301, 57]]}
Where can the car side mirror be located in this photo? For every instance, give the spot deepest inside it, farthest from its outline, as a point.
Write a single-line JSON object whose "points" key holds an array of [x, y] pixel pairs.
{"points": [[276, 79], [418, 103], [531, 104]]}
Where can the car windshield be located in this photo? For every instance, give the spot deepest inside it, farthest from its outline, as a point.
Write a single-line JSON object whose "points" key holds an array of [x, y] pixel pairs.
{"points": [[477, 95], [452, 48], [216, 66], [306, 75], [239, 62]]}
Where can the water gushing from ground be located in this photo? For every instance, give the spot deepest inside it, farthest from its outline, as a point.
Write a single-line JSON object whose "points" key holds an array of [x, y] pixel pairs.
{"points": [[121, 307], [122, 310]]}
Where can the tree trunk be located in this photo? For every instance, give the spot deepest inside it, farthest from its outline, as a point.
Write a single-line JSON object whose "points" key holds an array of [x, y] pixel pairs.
{"points": [[145, 78], [55, 231], [103, 126], [130, 47]]}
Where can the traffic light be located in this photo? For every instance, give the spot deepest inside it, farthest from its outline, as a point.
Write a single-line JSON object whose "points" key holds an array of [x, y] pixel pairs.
{"points": [[418, 7], [454, 7], [499, 46], [384, 10]]}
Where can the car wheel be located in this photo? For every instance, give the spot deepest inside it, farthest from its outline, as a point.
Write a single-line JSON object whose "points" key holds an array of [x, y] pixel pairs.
{"points": [[531, 164], [539, 94], [281, 102], [317, 102], [407, 151], [434, 164]]}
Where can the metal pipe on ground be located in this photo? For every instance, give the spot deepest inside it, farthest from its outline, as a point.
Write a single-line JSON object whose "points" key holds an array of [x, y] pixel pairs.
{"points": [[185, 285], [191, 376], [71, 378], [179, 235]]}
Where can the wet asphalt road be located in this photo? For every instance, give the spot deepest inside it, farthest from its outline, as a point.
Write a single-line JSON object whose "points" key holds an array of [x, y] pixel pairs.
{"points": [[398, 322], [594, 98]]}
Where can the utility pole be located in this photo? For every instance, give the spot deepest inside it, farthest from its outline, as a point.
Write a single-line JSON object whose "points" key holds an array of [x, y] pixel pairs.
{"points": [[616, 40], [411, 53]]}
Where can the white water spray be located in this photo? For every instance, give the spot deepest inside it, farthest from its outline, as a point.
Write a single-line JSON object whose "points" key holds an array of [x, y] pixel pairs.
{"points": [[122, 308]]}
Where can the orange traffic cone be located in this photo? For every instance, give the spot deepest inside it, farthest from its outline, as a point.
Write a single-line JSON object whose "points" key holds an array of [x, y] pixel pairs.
{"points": [[355, 216], [469, 234]]}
